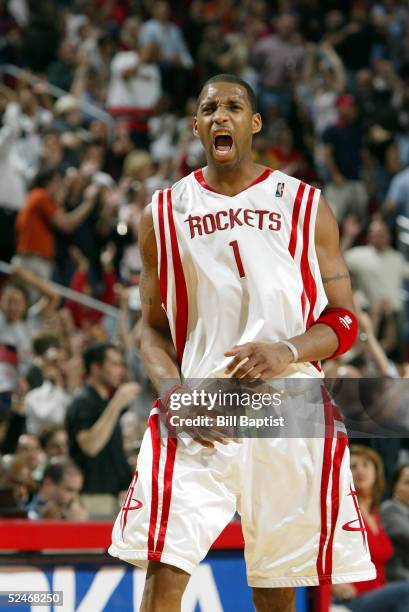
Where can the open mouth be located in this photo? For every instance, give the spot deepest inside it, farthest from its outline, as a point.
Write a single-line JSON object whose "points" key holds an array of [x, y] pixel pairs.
{"points": [[223, 143]]}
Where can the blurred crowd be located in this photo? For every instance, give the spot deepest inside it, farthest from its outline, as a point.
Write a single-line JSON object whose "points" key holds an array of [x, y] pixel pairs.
{"points": [[96, 105]]}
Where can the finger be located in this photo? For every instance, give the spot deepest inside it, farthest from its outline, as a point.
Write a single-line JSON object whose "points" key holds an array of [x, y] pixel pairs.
{"points": [[233, 364], [234, 350], [240, 357], [246, 368], [256, 372], [205, 443]]}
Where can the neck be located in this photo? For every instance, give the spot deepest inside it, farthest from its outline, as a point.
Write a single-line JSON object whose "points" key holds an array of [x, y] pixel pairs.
{"points": [[230, 181], [365, 502], [101, 388]]}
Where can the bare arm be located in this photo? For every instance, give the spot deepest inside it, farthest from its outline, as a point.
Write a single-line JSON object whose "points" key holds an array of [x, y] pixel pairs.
{"points": [[68, 221], [91, 441], [267, 359], [157, 349], [320, 341], [49, 300]]}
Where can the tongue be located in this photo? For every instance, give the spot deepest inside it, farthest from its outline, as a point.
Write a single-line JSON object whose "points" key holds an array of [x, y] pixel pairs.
{"points": [[223, 143]]}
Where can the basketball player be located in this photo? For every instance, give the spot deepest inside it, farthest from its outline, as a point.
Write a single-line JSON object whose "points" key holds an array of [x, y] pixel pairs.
{"points": [[241, 265]]}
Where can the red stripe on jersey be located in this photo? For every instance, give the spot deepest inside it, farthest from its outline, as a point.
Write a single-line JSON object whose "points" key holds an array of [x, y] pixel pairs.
{"points": [[153, 425], [198, 174], [336, 470], [167, 495], [163, 267], [180, 284], [294, 221], [310, 287]]}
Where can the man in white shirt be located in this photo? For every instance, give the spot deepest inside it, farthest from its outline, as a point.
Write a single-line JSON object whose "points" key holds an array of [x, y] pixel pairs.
{"points": [[379, 271], [174, 59], [134, 89]]}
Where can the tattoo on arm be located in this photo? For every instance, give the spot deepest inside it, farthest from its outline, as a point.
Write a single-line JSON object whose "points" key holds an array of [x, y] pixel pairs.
{"points": [[336, 277]]}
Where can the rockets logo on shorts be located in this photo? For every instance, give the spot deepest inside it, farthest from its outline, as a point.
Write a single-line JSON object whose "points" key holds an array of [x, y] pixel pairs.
{"points": [[280, 190]]}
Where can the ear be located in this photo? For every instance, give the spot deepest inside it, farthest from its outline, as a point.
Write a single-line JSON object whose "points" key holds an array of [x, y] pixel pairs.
{"points": [[194, 127], [256, 123]]}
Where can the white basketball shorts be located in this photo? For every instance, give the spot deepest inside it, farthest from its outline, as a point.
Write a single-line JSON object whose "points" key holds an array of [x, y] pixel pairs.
{"points": [[300, 516]]}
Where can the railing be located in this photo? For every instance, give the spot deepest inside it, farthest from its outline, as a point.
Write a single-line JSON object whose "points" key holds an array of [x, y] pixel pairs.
{"points": [[70, 294], [57, 92]]}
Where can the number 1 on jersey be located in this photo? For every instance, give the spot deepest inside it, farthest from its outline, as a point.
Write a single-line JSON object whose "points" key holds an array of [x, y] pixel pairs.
{"points": [[235, 246]]}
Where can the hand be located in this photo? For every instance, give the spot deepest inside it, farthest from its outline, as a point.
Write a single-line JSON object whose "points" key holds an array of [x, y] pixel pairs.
{"points": [[262, 360], [338, 179], [125, 394], [75, 512], [365, 322], [351, 226], [79, 258], [206, 434], [91, 192], [343, 591], [108, 255]]}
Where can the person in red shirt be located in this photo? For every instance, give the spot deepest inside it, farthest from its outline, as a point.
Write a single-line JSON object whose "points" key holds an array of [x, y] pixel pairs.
{"points": [[373, 595], [85, 317], [42, 214]]}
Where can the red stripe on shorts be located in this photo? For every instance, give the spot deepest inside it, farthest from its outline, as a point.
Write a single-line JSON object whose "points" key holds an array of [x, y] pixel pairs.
{"points": [[163, 267], [326, 471], [336, 471], [180, 283], [167, 496], [153, 424]]}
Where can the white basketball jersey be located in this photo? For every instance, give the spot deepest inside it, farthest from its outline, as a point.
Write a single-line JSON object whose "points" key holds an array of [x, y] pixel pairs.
{"points": [[237, 269]]}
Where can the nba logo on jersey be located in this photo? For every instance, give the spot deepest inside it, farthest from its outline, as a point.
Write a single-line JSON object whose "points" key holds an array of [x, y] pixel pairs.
{"points": [[280, 190]]}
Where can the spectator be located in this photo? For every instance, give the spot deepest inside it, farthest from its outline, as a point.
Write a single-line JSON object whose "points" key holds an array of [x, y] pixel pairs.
{"points": [[395, 518], [18, 322], [93, 421], [82, 316], [343, 156], [54, 442], [61, 71], [174, 58], [134, 88], [367, 471], [12, 174], [274, 57], [379, 272], [42, 341], [19, 478], [397, 197], [41, 215], [59, 493], [29, 451], [47, 405]]}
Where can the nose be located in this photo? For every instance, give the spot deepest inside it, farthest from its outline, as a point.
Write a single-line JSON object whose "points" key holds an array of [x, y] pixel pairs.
{"points": [[220, 115]]}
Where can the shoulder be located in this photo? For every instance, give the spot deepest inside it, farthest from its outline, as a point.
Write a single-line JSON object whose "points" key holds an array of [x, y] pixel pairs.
{"points": [[125, 59], [175, 191], [82, 400], [329, 133], [148, 27], [390, 505]]}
